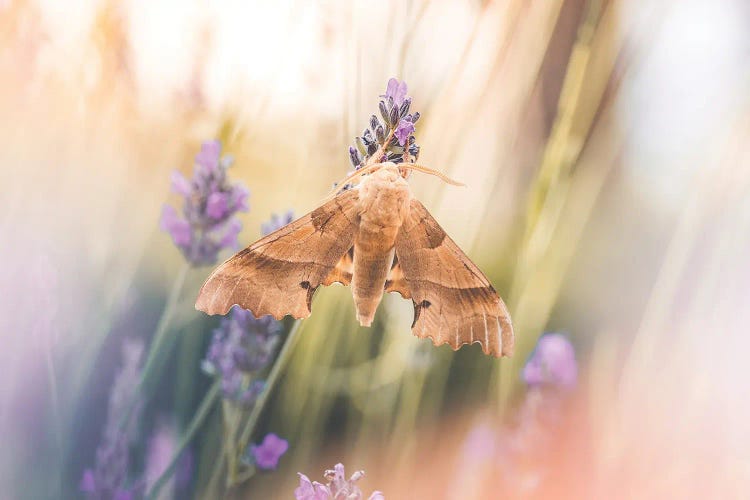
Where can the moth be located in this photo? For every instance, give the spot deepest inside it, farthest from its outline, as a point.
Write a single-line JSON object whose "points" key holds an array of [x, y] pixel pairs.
{"points": [[375, 237]]}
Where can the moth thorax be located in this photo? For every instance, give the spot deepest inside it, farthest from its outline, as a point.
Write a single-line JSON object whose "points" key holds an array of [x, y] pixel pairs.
{"points": [[384, 199]]}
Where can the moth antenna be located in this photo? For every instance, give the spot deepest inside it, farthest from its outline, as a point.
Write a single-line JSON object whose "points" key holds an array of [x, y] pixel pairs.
{"points": [[428, 170]]}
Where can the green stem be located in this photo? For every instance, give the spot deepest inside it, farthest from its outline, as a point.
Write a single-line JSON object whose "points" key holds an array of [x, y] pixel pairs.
{"points": [[213, 482], [273, 377], [160, 335], [200, 415]]}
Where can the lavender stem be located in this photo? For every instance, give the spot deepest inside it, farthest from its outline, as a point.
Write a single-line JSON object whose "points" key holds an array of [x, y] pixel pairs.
{"points": [[273, 376], [160, 335], [200, 415]]}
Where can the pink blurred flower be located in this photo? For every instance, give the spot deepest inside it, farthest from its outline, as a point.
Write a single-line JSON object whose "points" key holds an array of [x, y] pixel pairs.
{"points": [[553, 363], [338, 487]]}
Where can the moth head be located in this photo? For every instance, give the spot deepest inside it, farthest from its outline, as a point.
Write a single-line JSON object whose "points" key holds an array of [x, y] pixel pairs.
{"points": [[393, 172]]}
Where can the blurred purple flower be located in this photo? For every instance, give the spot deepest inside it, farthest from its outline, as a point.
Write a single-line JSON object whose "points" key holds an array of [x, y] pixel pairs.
{"points": [[268, 453], [179, 228], [180, 184], [276, 222], [338, 487], [311, 490], [161, 447], [207, 224], [110, 473], [184, 473], [395, 90], [403, 131], [553, 363], [242, 345], [88, 482]]}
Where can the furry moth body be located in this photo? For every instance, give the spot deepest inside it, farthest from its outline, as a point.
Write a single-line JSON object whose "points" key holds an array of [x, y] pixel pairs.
{"points": [[375, 237]]}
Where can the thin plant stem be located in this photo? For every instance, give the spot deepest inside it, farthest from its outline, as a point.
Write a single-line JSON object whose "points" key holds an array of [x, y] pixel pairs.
{"points": [[160, 335], [159, 341], [273, 377], [200, 416], [213, 482]]}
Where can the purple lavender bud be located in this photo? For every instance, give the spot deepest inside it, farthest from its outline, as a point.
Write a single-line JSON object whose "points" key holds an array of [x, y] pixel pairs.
{"points": [[384, 113], [209, 154], [371, 148], [217, 205], [354, 156], [268, 453], [367, 136], [415, 117], [180, 184], [374, 122], [404, 108], [380, 134], [393, 116], [178, 228]]}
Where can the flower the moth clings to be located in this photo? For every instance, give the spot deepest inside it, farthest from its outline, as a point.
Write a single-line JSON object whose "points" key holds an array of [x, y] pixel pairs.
{"points": [[207, 223], [393, 132]]}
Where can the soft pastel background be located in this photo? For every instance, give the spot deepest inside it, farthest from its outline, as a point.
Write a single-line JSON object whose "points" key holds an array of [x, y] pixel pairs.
{"points": [[606, 149]]}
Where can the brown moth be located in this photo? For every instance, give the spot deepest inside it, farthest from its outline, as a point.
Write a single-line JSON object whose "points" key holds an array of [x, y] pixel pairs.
{"points": [[375, 237]]}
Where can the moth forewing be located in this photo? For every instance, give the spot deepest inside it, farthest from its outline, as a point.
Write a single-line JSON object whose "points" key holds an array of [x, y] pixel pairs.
{"points": [[279, 274]]}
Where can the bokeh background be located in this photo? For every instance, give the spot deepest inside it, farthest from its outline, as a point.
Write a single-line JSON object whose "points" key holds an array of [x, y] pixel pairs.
{"points": [[605, 146]]}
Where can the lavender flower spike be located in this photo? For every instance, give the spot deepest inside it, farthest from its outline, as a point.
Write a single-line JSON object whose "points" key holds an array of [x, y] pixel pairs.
{"points": [[108, 477], [206, 224], [378, 138], [268, 453], [276, 222], [553, 363], [311, 490], [338, 487]]}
